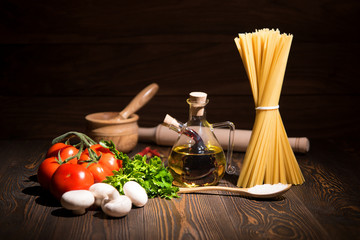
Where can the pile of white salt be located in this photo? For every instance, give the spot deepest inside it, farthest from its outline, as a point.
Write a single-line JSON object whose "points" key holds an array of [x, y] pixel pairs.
{"points": [[267, 188]]}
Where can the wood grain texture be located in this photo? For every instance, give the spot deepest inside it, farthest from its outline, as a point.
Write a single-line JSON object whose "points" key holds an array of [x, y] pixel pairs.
{"points": [[62, 60], [303, 116], [91, 49], [323, 208], [97, 56], [178, 68], [341, 197], [171, 21]]}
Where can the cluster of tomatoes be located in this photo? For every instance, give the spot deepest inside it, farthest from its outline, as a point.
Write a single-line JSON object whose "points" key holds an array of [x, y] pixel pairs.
{"points": [[67, 168]]}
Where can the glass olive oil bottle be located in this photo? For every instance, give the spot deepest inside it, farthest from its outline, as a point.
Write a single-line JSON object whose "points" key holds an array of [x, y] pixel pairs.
{"points": [[197, 159]]}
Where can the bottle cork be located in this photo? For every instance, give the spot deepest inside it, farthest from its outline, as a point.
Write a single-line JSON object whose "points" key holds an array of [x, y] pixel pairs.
{"points": [[197, 101], [170, 121]]}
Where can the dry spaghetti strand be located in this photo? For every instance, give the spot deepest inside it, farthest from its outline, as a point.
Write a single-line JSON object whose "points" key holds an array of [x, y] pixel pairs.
{"points": [[269, 158]]}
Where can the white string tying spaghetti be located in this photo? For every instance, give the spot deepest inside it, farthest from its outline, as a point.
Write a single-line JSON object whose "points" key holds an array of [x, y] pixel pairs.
{"points": [[267, 108]]}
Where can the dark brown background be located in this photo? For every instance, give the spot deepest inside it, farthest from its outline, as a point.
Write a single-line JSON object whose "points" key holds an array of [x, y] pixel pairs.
{"points": [[60, 60]]}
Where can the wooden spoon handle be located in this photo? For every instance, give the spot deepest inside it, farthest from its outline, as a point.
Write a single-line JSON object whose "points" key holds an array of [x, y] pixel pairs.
{"points": [[242, 191], [212, 188], [139, 101]]}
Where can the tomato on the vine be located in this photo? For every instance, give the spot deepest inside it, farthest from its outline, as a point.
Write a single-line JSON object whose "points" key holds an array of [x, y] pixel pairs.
{"points": [[54, 160], [108, 157], [68, 168], [46, 170], [98, 171], [69, 177], [65, 149], [100, 162]]}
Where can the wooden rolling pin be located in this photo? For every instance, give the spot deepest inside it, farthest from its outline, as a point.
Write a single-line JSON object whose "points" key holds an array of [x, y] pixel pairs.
{"points": [[162, 135]]}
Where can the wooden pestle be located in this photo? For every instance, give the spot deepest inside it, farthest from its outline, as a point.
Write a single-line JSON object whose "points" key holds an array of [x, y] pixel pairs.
{"points": [[162, 135], [138, 101]]}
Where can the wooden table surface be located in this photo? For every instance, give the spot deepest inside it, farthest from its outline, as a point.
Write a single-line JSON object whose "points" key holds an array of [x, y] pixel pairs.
{"points": [[326, 206], [61, 60]]}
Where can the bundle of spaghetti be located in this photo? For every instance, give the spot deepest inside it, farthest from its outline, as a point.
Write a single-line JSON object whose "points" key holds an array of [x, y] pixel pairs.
{"points": [[269, 158]]}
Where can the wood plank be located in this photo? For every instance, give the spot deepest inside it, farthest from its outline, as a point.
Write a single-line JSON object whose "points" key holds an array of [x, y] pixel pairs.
{"points": [[60, 61], [285, 217], [330, 190], [160, 21], [123, 69], [309, 116], [324, 206], [15, 196]]}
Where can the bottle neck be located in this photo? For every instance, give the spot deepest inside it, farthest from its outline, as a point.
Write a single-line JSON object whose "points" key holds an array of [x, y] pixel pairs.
{"points": [[197, 114]]}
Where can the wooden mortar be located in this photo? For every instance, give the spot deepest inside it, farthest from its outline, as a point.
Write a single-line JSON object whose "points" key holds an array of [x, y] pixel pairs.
{"points": [[121, 128], [105, 126]]}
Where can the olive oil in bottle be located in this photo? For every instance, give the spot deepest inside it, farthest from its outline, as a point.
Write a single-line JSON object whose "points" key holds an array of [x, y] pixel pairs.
{"points": [[191, 169], [196, 158]]}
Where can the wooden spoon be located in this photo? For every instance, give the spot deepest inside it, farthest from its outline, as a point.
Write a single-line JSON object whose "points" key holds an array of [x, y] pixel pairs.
{"points": [[246, 192], [138, 101]]}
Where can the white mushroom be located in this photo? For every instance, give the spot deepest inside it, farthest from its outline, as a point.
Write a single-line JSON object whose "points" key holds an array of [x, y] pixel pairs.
{"points": [[101, 191], [118, 207], [136, 193], [77, 201]]}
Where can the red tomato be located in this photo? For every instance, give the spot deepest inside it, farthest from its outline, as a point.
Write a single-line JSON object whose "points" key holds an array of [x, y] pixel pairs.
{"points": [[102, 165], [98, 171], [100, 149], [70, 177], [47, 169], [109, 161], [51, 163], [66, 151], [54, 149]]}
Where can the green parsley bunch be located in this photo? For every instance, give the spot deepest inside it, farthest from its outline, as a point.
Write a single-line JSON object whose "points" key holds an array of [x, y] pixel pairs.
{"points": [[151, 174]]}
